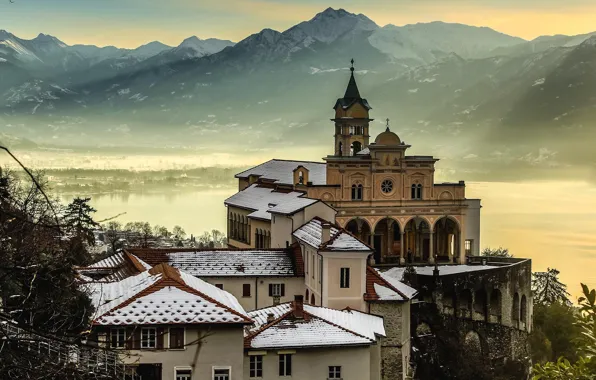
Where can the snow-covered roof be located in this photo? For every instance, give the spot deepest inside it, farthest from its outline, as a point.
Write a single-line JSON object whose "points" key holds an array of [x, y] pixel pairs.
{"points": [[318, 327], [113, 268], [364, 152], [380, 287], [226, 262], [163, 295], [311, 233], [264, 200], [282, 171]]}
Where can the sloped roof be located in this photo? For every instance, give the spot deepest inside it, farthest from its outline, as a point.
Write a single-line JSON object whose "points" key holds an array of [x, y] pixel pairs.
{"points": [[228, 262], [319, 327], [264, 200], [384, 288], [311, 233], [282, 171], [114, 268], [163, 295]]}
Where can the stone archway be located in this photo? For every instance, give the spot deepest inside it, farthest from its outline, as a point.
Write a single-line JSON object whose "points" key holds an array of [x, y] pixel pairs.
{"points": [[417, 240], [446, 239], [360, 228], [386, 241]]}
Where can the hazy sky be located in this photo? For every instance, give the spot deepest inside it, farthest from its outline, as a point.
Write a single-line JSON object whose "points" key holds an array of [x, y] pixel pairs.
{"points": [[129, 23]]}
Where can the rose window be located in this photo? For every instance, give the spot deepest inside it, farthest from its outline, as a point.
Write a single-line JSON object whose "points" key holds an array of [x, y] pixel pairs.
{"points": [[387, 186]]}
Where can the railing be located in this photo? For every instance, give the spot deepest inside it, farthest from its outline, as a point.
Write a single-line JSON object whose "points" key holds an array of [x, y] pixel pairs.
{"points": [[88, 359]]}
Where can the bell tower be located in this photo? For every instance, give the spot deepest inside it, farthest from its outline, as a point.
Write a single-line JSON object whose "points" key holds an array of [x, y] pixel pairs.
{"points": [[351, 120]]}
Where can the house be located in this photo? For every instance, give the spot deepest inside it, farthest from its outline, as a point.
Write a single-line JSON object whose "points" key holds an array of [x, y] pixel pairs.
{"points": [[312, 342], [170, 325]]}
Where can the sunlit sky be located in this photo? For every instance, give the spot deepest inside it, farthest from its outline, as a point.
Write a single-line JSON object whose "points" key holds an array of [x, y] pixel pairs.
{"points": [[130, 23]]}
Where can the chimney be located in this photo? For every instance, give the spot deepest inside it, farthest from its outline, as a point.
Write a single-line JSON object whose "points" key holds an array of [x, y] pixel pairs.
{"points": [[325, 232], [270, 317], [298, 306]]}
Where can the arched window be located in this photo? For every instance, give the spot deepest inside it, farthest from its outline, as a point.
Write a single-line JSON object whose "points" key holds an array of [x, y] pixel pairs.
{"points": [[356, 147], [357, 192], [465, 303], [258, 238], [416, 191], [267, 243], [481, 303], [524, 311], [495, 305], [515, 310], [341, 149], [300, 177], [312, 299]]}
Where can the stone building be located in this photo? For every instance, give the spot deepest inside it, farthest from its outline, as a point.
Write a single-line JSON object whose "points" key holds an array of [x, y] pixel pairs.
{"points": [[386, 198], [331, 240]]}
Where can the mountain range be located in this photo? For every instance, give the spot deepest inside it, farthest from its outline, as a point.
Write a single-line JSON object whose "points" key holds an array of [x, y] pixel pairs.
{"points": [[491, 95]]}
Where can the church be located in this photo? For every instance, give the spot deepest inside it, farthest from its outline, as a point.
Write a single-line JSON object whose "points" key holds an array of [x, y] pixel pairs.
{"points": [[381, 195], [359, 267]]}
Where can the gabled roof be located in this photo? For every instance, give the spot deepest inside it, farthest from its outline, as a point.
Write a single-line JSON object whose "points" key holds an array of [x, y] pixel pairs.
{"points": [[311, 233], [264, 200], [318, 327], [282, 171], [113, 268], [163, 295], [385, 288], [227, 262]]}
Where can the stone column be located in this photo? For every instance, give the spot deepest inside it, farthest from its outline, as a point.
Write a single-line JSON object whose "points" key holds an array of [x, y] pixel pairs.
{"points": [[431, 253], [402, 248]]}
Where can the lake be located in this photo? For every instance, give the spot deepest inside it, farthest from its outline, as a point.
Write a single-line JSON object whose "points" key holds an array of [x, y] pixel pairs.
{"points": [[552, 223]]}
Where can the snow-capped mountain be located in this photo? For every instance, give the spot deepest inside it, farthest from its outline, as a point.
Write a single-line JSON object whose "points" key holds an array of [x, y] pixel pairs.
{"points": [[427, 42], [438, 79], [330, 25]]}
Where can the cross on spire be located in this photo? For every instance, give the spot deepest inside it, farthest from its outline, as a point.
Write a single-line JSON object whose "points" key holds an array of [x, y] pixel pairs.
{"points": [[352, 68]]}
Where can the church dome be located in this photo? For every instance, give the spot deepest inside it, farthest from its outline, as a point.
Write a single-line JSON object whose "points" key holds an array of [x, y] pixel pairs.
{"points": [[387, 138]]}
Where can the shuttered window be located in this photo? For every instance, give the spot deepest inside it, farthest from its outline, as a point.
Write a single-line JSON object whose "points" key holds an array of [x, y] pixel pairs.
{"points": [[177, 337]]}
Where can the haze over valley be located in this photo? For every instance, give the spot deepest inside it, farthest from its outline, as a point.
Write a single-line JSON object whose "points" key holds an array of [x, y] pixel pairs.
{"points": [[512, 117]]}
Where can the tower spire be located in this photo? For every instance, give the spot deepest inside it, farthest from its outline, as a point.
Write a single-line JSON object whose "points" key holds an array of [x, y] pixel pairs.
{"points": [[387, 129], [352, 90]]}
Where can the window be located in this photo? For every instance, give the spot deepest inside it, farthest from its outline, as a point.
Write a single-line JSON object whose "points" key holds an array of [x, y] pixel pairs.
{"points": [[117, 338], [246, 290], [334, 372], [256, 366], [320, 269], [221, 373], [357, 192], [344, 281], [387, 186], [416, 191], [183, 374], [277, 290], [219, 286], [313, 266], [177, 338], [148, 337], [468, 245], [285, 365]]}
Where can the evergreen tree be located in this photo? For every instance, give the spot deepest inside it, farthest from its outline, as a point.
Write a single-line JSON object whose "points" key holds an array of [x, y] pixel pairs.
{"points": [[78, 220], [547, 288]]}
